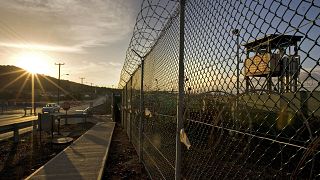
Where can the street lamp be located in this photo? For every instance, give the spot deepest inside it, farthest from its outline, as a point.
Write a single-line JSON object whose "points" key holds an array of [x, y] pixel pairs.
{"points": [[236, 32], [59, 64], [66, 84]]}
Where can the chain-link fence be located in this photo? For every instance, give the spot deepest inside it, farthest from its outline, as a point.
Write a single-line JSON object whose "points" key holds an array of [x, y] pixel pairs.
{"points": [[251, 89]]}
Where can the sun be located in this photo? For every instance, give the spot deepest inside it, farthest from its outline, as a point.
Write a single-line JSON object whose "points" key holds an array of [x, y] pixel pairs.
{"points": [[35, 63]]}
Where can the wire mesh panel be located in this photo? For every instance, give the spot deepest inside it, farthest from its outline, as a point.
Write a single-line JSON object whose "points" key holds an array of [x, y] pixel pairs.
{"points": [[252, 103], [246, 110], [136, 82], [160, 104], [129, 107], [125, 107]]}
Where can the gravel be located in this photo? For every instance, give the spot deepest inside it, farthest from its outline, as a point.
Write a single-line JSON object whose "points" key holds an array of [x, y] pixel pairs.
{"points": [[123, 161]]}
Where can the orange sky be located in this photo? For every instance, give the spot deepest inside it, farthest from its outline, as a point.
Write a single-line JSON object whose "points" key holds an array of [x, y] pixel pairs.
{"points": [[90, 37]]}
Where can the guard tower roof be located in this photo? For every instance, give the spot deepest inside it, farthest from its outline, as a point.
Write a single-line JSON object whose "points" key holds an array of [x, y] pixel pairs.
{"points": [[273, 41]]}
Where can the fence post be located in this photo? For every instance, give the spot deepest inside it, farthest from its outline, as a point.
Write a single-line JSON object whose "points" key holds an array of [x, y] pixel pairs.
{"points": [[126, 100], [34, 126], [180, 103], [122, 107], [40, 126], [141, 112], [16, 134], [141, 105], [130, 119], [112, 107]]}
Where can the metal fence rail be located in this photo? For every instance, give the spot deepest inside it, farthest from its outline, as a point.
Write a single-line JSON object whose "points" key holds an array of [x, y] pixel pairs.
{"points": [[251, 89]]}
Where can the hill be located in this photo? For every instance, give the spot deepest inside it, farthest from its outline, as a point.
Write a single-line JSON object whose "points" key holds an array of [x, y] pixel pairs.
{"points": [[16, 84]]}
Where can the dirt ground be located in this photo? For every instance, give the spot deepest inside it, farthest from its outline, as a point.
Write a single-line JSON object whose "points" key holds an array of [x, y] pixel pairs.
{"points": [[18, 160], [123, 161]]}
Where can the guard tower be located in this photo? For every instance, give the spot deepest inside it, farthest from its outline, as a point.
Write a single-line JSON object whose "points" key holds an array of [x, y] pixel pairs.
{"points": [[273, 58]]}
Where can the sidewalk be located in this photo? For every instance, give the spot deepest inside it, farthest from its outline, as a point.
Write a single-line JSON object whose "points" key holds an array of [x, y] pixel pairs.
{"points": [[84, 159]]}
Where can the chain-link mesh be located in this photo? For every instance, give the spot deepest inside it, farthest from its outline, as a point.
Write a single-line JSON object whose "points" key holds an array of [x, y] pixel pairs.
{"points": [[252, 77], [135, 115]]}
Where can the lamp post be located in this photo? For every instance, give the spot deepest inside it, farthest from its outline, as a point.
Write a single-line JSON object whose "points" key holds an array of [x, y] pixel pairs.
{"points": [[59, 64], [236, 32], [67, 84]]}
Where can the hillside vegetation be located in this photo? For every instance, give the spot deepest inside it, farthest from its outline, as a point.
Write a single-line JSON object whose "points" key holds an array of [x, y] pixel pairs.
{"points": [[16, 85]]}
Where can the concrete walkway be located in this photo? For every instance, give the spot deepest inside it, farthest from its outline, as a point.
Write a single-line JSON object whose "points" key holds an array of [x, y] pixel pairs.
{"points": [[84, 159]]}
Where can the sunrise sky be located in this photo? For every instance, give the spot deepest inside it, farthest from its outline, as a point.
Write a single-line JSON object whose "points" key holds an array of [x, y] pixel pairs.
{"points": [[89, 36]]}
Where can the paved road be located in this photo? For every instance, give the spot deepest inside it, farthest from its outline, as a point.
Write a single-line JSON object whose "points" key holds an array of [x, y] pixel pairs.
{"points": [[16, 118], [17, 112], [13, 120]]}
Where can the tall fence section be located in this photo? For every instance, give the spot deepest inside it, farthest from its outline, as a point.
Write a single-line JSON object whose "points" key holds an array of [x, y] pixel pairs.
{"points": [[251, 99]]}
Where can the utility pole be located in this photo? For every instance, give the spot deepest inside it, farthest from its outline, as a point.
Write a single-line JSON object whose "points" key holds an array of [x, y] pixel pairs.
{"points": [[94, 91], [82, 78], [82, 88], [59, 64]]}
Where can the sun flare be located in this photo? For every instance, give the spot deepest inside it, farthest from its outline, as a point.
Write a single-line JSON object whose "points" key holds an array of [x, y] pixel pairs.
{"points": [[34, 62]]}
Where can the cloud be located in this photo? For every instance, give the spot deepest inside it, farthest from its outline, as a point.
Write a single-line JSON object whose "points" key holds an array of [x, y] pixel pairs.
{"points": [[310, 77], [90, 36], [76, 23], [41, 47], [108, 64], [102, 73]]}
